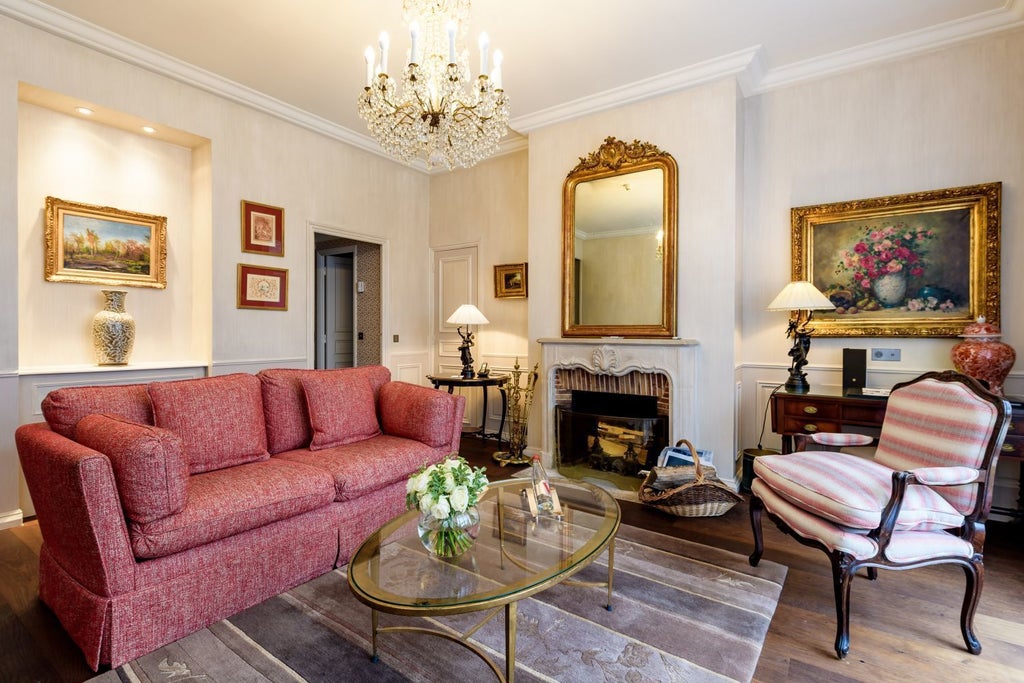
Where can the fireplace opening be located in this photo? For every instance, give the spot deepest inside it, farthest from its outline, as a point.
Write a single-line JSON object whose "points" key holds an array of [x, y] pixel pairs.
{"points": [[609, 437]]}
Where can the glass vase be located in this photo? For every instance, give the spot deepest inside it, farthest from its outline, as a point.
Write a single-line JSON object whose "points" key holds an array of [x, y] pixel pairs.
{"points": [[452, 536]]}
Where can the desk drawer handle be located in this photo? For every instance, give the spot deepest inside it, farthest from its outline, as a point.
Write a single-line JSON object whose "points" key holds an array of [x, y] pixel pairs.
{"points": [[811, 428], [1008, 448], [811, 410]]}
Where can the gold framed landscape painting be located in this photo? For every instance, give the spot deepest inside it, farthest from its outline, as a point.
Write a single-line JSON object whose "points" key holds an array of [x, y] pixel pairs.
{"points": [[924, 264], [102, 245]]}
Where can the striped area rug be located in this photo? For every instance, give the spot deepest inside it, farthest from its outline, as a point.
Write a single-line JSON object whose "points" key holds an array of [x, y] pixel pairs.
{"points": [[682, 612]]}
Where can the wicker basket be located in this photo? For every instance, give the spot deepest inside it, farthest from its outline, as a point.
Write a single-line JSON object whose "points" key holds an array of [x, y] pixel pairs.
{"points": [[690, 491]]}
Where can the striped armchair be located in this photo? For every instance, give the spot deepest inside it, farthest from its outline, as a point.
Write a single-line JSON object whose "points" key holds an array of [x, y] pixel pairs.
{"points": [[923, 499]]}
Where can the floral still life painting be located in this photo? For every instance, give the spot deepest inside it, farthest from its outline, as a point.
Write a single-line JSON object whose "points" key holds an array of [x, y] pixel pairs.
{"points": [[924, 264]]}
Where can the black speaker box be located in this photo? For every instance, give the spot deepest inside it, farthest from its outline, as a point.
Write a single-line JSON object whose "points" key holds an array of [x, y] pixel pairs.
{"points": [[855, 369]]}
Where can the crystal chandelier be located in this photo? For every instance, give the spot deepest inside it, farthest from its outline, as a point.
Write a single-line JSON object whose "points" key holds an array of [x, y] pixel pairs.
{"points": [[439, 114]]}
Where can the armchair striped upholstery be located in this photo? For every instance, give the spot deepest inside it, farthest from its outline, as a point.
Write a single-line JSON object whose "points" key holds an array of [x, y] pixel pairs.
{"points": [[923, 499]]}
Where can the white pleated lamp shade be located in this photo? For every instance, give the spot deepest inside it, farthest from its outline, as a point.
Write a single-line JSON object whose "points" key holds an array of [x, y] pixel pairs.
{"points": [[467, 314], [800, 295]]}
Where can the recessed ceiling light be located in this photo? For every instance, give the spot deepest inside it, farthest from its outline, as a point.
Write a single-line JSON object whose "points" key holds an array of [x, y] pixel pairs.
{"points": [[84, 111], [148, 129]]}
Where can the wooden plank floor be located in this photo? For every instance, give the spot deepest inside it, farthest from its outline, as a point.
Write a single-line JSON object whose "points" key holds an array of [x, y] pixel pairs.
{"points": [[904, 627]]}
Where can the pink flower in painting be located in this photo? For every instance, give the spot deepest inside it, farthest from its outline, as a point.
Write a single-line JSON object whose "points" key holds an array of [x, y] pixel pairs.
{"points": [[883, 250]]}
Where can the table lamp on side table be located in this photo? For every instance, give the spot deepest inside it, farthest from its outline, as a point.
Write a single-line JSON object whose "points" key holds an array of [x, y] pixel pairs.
{"points": [[467, 314], [801, 299]]}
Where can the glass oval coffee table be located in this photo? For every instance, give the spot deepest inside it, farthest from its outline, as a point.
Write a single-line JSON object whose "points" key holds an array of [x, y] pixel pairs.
{"points": [[515, 556]]}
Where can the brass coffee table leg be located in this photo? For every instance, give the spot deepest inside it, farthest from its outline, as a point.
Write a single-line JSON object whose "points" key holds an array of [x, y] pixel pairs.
{"points": [[510, 642], [611, 572], [373, 630]]}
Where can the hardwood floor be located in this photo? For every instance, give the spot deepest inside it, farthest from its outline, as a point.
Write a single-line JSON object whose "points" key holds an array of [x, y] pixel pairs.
{"points": [[904, 627]]}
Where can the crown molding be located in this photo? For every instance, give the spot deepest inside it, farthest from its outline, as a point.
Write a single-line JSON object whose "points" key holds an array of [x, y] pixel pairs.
{"points": [[735, 64], [1010, 16], [64, 25], [748, 67]]}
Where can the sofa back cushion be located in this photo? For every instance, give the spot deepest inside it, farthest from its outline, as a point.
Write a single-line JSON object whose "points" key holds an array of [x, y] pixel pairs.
{"points": [[150, 469], [284, 401], [219, 419], [416, 412], [342, 408], [63, 408]]}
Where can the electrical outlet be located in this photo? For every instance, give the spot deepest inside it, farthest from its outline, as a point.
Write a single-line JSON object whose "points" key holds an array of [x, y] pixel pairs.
{"points": [[359, 336], [394, 338], [885, 354]]}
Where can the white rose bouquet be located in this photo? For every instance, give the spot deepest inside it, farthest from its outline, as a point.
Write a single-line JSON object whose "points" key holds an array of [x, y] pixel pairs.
{"points": [[448, 493]]}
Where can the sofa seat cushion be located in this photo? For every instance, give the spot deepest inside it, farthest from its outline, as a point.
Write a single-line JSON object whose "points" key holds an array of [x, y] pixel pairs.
{"points": [[341, 407], [365, 466], [219, 419], [284, 401], [63, 408], [228, 501], [150, 468], [852, 491], [416, 412]]}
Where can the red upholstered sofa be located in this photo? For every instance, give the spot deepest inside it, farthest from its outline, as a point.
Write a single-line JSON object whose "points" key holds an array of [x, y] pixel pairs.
{"points": [[166, 507]]}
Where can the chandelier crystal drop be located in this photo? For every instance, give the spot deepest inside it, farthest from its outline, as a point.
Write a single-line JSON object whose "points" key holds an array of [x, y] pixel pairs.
{"points": [[439, 113]]}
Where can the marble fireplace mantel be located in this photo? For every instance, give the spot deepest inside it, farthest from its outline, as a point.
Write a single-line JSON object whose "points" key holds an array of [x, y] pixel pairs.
{"points": [[674, 358]]}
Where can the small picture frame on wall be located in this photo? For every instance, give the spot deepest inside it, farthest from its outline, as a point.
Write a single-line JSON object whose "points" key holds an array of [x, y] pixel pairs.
{"points": [[262, 229], [510, 281], [262, 288]]}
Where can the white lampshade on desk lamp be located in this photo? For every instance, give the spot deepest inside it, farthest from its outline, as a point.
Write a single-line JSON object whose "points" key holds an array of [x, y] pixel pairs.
{"points": [[801, 299], [467, 314]]}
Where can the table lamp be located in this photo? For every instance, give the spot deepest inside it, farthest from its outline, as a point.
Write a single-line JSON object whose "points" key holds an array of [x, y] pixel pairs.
{"points": [[801, 299], [467, 314]]}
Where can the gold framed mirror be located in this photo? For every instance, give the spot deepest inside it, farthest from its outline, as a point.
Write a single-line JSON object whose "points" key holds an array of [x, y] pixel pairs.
{"points": [[619, 229]]}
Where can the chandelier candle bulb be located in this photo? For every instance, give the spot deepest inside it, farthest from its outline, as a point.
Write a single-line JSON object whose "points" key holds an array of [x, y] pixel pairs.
{"points": [[414, 34], [485, 44], [496, 73], [369, 66], [385, 42], [451, 26]]}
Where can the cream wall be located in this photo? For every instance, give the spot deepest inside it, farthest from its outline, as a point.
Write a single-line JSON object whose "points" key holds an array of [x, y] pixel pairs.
{"points": [[251, 155], [943, 119], [487, 205], [702, 129], [608, 295], [78, 160]]}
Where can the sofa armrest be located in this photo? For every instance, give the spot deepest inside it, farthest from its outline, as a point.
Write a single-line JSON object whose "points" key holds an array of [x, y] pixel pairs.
{"points": [[426, 415], [78, 509]]}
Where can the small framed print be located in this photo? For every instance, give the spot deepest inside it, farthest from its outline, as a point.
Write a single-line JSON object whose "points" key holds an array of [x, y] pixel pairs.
{"points": [[510, 281], [262, 288], [262, 229]]}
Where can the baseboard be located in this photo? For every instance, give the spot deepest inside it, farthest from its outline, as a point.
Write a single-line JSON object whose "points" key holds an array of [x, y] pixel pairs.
{"points": [[11, 519]]}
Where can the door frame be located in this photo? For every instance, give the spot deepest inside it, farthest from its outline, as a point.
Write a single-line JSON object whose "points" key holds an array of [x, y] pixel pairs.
{"points": [[385, 298]]}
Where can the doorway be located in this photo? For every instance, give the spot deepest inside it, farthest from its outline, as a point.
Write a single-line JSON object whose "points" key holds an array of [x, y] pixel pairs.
{"points": [[347, 299]]}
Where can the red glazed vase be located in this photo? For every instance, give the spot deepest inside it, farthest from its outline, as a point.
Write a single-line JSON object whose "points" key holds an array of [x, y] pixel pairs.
{"points": [[982, 356]]}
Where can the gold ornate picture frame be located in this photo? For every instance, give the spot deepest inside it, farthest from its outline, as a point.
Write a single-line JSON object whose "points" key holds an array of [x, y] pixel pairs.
{"points": [[102, 245], [924, 264], [510, 281]]}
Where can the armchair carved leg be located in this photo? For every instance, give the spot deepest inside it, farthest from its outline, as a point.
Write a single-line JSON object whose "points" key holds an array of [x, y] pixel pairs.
{"points": [[975, 572], [842, 578], [756, 509]]}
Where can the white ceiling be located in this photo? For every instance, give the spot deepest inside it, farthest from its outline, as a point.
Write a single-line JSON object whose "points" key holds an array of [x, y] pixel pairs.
{"points": [[562, 57]]}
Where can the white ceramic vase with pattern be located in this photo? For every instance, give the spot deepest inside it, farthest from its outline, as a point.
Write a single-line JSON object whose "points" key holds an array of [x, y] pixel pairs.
{"points": [[113, 330]]}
